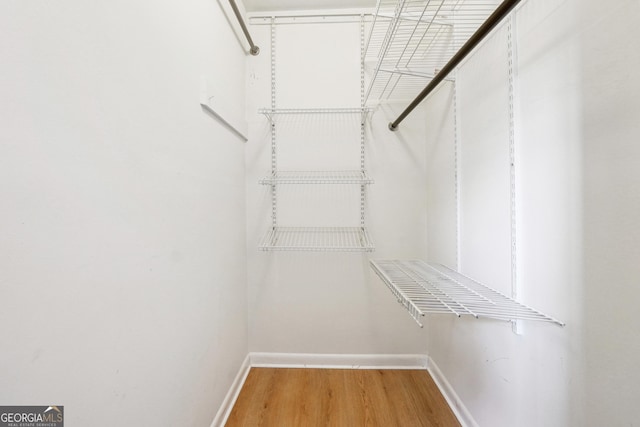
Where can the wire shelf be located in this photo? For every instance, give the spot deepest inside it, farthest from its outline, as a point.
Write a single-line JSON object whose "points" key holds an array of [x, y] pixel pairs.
{"points": [[271, 113], [319, 239], [411, 40], [425, 288], [317, 177]]}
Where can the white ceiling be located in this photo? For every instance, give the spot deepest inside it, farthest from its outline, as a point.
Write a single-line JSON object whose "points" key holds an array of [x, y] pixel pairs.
{"points": [[281, 5]]}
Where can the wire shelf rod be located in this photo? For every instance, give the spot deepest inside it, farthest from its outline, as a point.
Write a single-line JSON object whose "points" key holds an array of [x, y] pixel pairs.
{"points": [[254, 50], [492, 21]]}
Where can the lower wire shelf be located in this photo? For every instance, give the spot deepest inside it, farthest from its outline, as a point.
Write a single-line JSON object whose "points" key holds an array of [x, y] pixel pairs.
{"points": [[425, 288], [318, 239], [317, 177]]}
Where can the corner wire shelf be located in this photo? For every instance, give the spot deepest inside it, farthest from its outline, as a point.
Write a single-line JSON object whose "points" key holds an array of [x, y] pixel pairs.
{"points": [[426, 288], [317, 239], [411, 40], [271, 113], [317, 177]]}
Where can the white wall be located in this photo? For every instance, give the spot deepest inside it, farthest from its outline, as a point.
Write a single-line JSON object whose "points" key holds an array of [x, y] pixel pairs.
{"points": [[122, 245], [611, 162], [329, 302], [577, 199]]}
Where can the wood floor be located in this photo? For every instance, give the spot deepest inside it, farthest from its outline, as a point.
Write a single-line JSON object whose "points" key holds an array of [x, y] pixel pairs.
{"points": [[340, 397]]}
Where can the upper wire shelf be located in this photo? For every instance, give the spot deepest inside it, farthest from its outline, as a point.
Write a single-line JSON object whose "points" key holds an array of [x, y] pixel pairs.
{"points": [[271, 113], [317, 177], [317, 239], [425, 288], [411, 40]]}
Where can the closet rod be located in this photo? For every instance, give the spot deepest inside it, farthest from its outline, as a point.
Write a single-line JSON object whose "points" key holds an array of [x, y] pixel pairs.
{"points": [[254, 49], [502, 11]]}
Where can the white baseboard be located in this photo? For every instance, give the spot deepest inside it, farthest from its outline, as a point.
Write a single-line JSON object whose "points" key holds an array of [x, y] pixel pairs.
{"points": [[457, 406], [230, 399], [339, 361]]}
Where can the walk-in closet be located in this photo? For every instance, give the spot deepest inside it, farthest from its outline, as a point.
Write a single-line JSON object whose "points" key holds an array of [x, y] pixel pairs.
{"points": [[319, 213]]}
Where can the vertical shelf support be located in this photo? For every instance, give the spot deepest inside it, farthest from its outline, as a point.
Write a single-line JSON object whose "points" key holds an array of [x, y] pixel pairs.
{"points": [[456, 165], [362, 122], [274, 165], [511, 56]]}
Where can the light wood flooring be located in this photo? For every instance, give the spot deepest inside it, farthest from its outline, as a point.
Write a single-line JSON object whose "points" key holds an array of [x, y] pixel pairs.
{"points": [[340, 397]]}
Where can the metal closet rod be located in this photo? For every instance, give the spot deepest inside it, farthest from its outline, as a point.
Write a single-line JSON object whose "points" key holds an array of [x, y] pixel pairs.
{"points": [[254, 49], [493, 20]]}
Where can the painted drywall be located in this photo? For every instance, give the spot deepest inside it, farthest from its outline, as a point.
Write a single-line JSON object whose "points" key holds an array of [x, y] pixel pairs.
{"points": [[577, 176], [306, 302], [611, 161], [122, 246]]}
